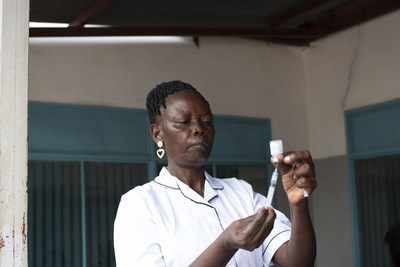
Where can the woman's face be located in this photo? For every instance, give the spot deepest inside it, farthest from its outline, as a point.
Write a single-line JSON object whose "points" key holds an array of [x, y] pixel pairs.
{"points": [[187, 130]]}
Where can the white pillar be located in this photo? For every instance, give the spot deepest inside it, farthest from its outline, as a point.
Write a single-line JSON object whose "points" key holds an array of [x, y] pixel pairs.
{"points": [[14, 36]]}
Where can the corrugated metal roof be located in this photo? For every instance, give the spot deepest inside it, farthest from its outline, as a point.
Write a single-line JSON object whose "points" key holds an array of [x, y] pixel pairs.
{"points": [[286, 21]]}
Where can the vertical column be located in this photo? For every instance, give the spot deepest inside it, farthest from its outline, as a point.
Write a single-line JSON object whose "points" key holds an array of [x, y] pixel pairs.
{"points": [[14, 36]]}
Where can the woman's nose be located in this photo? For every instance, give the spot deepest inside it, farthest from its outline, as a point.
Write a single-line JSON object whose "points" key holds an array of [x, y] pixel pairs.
{"points": [[198, 130]]}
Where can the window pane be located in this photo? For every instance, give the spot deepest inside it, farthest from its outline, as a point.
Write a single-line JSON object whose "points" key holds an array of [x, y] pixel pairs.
{"points": [[54, 214], [104, 185], [255, 175], [378, 206]]}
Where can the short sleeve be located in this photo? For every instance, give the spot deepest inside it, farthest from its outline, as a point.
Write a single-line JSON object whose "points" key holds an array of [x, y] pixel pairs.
{"points": [[279, 234], [135, 233]]}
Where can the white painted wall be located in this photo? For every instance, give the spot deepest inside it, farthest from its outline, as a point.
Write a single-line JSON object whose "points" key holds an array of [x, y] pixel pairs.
{"points": [[238, 77], [351, 69]]}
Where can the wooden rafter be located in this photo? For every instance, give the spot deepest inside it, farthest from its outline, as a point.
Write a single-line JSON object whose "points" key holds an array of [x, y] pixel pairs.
{"points": [[95, 8], [169, 31]]}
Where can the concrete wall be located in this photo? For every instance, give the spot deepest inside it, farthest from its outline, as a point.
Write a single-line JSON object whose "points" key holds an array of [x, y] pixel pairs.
{"points": [[332, 213], [304, 91]]}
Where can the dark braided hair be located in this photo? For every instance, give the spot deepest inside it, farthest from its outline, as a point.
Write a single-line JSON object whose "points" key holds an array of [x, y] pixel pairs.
{"points": [[156, 98]]}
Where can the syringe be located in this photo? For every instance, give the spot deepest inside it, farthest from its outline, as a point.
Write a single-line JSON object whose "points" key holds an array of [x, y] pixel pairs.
{"points": [[271, 189], [276, 148]]}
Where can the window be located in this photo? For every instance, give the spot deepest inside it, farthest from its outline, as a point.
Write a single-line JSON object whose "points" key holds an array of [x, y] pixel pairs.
{"points": [[83, 158], [373, 137], [73, 206], [378, 185], [54, 214]]}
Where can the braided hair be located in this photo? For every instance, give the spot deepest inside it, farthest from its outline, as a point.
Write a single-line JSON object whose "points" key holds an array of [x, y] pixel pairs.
{"points": [[156, 98]]}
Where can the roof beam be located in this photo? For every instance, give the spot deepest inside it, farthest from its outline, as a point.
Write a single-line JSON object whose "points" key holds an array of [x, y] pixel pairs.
{"points": [[95, 8], [170, 31]]}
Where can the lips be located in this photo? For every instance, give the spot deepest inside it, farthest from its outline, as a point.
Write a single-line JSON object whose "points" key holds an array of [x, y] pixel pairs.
{"points": [[199, 143]]}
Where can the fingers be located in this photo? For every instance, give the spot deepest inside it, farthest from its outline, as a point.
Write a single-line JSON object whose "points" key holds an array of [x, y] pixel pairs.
{"points": [[257, 221], [266, 228], [304, 169], [257, 227], [298, 156], [297, 159], [298, 174], [308, 184], [304, 173]]}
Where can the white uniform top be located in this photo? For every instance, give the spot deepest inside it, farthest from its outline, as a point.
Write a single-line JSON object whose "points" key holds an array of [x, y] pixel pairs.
{"points": [[166, 223]]}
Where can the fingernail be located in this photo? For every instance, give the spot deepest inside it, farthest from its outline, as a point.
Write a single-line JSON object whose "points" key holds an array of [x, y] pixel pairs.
{"points": [[305, 193], [295, 176], [287, 158]]}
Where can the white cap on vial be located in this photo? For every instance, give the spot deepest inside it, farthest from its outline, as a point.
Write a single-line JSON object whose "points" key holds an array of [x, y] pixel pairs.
{"points": [[276, 148]]}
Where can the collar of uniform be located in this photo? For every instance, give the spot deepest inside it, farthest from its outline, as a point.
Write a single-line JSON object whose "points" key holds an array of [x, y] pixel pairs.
{"points": [[166, 179], [215, 184]]}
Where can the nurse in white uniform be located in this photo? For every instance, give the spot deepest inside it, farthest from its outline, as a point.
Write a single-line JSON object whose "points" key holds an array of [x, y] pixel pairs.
{"points": [[185, 217]]}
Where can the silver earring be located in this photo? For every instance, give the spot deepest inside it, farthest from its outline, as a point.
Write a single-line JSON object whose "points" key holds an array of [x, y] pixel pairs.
{"points": [[160, 150]]}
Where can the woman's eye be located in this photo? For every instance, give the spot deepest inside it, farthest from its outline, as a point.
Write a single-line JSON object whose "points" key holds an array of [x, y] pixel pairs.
{"points": [[207, 120]]}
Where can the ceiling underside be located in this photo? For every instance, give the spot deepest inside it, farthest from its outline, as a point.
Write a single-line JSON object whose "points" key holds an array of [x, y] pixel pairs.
{"points": [[295, 22]]}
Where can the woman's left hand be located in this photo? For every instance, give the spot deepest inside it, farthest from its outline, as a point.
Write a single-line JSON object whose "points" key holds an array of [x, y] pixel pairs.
{"points": [[298, 174]]}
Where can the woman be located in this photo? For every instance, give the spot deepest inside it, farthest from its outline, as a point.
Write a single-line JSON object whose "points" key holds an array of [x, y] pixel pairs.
{"points": [[186, 217]]}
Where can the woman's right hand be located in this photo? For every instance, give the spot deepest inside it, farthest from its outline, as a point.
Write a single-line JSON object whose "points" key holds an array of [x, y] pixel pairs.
{"points": [[249, 233]]}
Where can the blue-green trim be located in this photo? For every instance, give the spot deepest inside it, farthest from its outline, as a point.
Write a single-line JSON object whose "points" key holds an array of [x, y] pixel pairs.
{"points": [[239, 138], [353, 191], [80, 132], [55, 132], [71, 132], [354, 213], [60, 156], [382, 134], [370, 132], [83, 214]]}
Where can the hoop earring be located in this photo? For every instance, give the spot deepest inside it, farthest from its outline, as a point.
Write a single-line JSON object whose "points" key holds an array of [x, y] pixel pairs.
{"points": [[160, 150]]}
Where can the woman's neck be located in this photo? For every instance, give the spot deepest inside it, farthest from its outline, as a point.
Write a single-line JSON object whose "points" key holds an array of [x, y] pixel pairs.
{"points": [[194, 178]]}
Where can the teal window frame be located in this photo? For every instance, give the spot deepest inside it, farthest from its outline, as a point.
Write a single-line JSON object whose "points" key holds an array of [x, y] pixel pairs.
{"points": [[82, 133], [372, 131]]}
